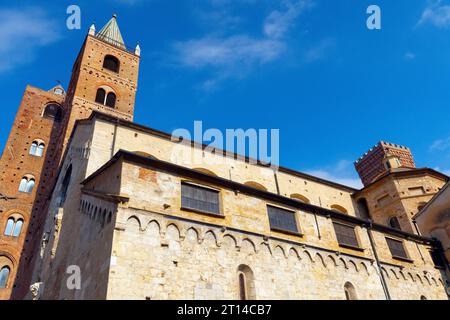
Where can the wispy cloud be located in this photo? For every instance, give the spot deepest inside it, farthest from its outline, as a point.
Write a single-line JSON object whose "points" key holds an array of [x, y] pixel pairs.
{"points": [[440, 145], [436, 14], [278, 22], [320, 50], [444, 171], [409, 56], [22, 32], [237, 54], [342, 172]]}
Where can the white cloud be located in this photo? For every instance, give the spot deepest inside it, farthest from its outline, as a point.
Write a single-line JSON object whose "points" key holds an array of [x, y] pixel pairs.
{"points": [[278, 22], [437, 15], [235, 55], [22, 32], [320, 51], [440, 145], [227, 52], [410, 56], [342, 172]]}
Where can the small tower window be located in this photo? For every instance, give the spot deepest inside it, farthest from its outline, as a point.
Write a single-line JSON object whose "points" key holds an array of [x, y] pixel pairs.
{"points": [[111, 63], [100, 97], [106, 97], [27, 184], [111, 100], [53, 111], [4, 275], [37, 148], [13, 227]]}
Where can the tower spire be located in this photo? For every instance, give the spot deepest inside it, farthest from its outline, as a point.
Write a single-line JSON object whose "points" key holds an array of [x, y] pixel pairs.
{"points": [[111, 33]]}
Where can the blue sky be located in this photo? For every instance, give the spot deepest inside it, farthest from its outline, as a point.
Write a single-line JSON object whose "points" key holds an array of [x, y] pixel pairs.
{"points": [[310, 68]]}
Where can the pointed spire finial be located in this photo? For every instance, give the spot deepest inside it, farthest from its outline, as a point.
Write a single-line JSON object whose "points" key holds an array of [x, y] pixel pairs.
{"points": [[115, 15], [92, 30], [137, 51]]}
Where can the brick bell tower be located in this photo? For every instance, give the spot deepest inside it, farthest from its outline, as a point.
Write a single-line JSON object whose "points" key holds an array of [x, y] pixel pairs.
{"points": [[104, 78]]}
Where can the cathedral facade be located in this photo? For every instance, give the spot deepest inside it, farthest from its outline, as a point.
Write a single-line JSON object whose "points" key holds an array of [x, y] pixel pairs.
{"points": [[85, 189]]}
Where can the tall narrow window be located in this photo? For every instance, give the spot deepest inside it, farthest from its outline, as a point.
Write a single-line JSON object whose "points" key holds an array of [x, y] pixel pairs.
{"points": [[111, 63], [23, 185], [350, 292], [9, 227], [30, 186], [242, 287], [40, 150], [4, 275], [246, 283], [100, 97], [33, 149], [111, 100], [199, 198], [17, 228], [65, 186], [282, 220]]}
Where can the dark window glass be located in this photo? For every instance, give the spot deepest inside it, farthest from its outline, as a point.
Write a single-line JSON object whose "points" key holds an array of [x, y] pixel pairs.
{"points": [[242, 289], [111, 63], [53, 111], [437, 258], [100, 97], [394, 223], [282, 220], [396, 247], [198, 198], [111, 100], [346, 235]]}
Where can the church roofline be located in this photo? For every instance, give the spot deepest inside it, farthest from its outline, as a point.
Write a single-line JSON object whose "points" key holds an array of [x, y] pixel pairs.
{"points": [[167, 136], [134, 158]]}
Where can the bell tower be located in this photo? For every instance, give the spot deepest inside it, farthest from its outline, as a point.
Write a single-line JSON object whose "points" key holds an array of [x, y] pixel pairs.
{"points": [[104, 76]]}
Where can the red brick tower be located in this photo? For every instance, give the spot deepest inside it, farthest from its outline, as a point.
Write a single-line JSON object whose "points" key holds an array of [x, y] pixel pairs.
{"points": [[104, 78], [380, 159]]}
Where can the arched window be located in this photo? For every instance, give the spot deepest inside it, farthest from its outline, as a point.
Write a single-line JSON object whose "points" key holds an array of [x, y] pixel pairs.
{"points": [[255, 185], [394, 223], [300, 198], [65, 186], [17, 228], [37, 148], [9, 227], [13, 227], [111, 63], [106, 97], [33, 148], [111, 100], [53, 111], [338, 208], [350, 292], [100, 97], [4, 275], [423, 298], [26, 184], [246, 283]]}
